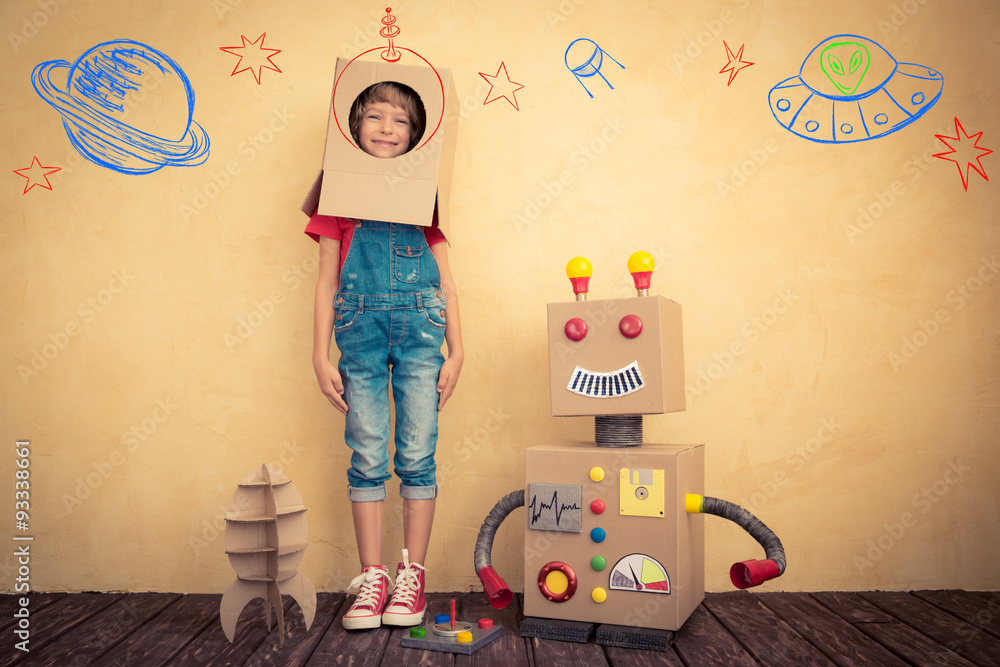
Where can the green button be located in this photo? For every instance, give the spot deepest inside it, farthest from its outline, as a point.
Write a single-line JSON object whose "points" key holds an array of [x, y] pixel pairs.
{"points": [[418, 633], [598, 563]]}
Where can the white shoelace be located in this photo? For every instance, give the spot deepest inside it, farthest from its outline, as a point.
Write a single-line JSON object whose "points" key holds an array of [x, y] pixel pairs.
{"points": [[368, 594], [406, 582]]}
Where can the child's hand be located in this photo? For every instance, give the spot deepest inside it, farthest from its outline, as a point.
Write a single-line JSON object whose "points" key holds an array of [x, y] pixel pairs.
{"points": [[331, 384], [448, 378]]}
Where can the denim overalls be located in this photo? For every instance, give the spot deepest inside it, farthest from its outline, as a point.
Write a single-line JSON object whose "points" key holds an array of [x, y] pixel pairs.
{"points": [[390, 314]]}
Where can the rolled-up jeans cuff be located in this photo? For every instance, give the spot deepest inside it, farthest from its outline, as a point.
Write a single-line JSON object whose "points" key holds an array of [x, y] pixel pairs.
{"points": [[418, 492], [366, 494]]}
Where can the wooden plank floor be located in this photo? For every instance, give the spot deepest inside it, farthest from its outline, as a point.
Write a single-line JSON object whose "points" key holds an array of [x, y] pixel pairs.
{"points": [[738, 628]]}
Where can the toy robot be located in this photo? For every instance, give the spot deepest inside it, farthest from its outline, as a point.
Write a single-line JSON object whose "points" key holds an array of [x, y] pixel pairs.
{"points": [[612, 527]]}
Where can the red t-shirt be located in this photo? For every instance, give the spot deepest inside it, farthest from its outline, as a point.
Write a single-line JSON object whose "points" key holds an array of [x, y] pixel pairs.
{"points": [[342, 229]]}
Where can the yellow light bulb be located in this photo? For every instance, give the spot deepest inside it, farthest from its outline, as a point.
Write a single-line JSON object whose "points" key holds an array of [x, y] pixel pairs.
{"points": [[579, 270], [579, 267], [640, 265], [640, 261]]}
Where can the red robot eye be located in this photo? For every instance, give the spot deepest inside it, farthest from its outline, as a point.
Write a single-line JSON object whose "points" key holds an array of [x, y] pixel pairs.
{"points": [[630, 326], [576, 329]]}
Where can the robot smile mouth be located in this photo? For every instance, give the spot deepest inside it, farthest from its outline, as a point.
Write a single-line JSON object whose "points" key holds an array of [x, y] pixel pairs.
{"points": [[622, 382]]}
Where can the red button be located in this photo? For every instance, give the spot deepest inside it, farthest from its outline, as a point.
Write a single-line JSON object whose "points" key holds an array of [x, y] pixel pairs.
{"points": [[576, 329], [597, 506], [630, 326], [485, 623]]}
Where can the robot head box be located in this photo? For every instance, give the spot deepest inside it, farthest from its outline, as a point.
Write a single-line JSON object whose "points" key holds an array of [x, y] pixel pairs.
{"points": [[615, 356], [405, 188]]}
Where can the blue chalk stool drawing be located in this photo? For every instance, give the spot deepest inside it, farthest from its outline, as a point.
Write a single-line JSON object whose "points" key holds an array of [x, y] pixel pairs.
{"points": [[589, 67], [850, 89], [95, 113]]}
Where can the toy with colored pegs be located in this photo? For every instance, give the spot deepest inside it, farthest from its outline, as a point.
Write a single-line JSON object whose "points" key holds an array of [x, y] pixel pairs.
{"points": [[579, 270], [640, 265]]}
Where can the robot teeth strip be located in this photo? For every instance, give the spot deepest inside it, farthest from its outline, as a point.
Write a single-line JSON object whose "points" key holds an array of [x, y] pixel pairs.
{"points": [[621, 382]]}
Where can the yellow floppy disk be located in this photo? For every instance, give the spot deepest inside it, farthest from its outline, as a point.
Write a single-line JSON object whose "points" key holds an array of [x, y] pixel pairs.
{"points": [[641, 492]]}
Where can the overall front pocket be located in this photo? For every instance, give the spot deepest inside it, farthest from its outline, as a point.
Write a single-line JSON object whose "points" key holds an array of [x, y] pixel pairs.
{"points": [[344, 317], [407, 260]]}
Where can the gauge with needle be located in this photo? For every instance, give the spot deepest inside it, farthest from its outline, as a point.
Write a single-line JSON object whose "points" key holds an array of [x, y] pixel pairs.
{"points": [[638, 586]]}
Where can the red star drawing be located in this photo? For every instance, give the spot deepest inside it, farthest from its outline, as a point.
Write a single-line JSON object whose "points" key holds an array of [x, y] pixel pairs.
{"points": [[735, 64], [256, 59], [505, 87], [36, 175], [966, 158]]}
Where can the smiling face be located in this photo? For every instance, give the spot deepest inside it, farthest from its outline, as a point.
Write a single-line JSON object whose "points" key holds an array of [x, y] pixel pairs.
{"points": [[846, 63], [387, 119], [616, 357], [385, 130]]}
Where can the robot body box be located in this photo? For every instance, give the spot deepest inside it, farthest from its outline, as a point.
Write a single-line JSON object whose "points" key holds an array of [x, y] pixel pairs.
{"points": [[607, 536]]}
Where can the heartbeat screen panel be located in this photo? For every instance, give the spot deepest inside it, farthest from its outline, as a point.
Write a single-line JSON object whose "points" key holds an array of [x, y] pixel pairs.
{"points": [[555, 507]]}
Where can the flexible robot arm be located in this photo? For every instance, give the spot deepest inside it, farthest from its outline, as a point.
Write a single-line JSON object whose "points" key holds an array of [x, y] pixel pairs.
{"points": [[744, 574], [749, 572], [494, 586]]}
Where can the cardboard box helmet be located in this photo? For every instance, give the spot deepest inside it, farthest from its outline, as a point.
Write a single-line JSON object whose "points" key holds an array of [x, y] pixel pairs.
{"points": [[403, 189]]}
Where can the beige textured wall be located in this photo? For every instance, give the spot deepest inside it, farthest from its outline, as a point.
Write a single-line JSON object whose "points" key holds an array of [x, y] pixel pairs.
{"points": [[830, 402]]}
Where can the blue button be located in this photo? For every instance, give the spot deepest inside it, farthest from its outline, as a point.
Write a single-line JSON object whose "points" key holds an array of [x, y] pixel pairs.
{"points": [[442, 618], [598, 534]]}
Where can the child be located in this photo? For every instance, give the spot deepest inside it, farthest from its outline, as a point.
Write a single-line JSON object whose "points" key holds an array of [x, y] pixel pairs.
{"points": [[386, 292]]}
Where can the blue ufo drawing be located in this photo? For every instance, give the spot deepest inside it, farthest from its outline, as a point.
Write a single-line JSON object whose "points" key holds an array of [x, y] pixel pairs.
{"points": [[850, 89], [111, 118]]}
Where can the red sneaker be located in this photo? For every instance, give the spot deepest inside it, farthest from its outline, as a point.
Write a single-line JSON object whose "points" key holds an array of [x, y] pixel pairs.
{"points": [[366, 612], [408, 604]]}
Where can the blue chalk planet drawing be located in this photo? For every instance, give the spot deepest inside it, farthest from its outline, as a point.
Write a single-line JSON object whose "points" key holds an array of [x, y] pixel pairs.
{"points": [[112, 131], [850, 89]]}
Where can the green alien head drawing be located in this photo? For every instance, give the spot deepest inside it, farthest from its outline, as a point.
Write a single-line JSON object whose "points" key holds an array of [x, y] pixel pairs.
{"points": [[846, 63]]}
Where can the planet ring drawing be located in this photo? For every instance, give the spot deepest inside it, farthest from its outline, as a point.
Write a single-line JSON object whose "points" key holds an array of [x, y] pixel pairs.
{"points": [[92, 105], [850, 89]]}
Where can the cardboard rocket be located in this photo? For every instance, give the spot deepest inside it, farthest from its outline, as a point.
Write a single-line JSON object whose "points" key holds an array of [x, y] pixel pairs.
{"points": [[266, 537]]}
